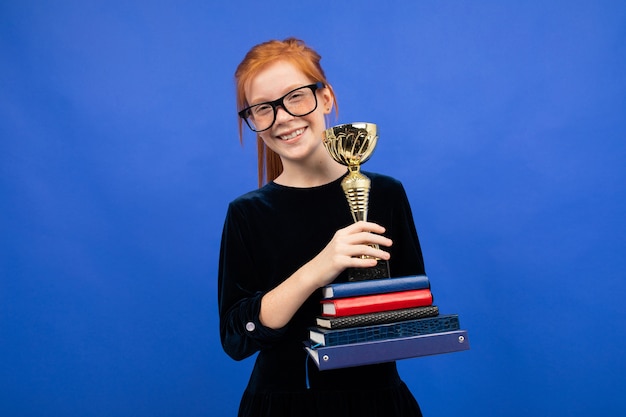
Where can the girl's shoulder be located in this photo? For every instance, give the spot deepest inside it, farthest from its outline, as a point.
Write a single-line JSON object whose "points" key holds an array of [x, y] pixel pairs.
{"points": [[383, 180]]}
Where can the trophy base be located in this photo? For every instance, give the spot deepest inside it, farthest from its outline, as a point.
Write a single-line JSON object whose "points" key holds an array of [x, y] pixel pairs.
{"points": [[381, 270]]}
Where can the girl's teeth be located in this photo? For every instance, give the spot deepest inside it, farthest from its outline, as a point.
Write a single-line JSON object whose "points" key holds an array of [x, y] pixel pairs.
{"points": [[293, 135]]}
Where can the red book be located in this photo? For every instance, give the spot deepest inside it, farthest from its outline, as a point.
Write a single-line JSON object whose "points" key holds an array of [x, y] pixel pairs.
{"points": [[377, 302]]}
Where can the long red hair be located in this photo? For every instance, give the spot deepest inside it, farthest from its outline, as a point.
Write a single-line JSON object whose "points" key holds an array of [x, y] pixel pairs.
{"points": [[297, 53]]}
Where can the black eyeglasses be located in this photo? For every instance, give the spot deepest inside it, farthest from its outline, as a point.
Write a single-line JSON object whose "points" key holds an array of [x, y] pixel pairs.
{"points": [[298, 102]]}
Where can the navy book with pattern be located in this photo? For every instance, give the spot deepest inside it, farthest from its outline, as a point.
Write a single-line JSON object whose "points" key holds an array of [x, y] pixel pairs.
{"points": [[327, 337]]}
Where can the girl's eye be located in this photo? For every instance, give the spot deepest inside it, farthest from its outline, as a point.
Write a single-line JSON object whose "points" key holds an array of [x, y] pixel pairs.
{"points": [[261, 109], [295, 96]]}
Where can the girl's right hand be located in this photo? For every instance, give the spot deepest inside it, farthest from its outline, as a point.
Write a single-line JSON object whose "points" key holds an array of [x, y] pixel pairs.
{"points": [[347, 247]]}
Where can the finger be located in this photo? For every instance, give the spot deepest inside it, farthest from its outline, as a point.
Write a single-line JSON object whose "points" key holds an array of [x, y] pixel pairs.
{"points": [[363, 226], [368, 259], [368, 238], [364, 251], [375, 252], [363, 262]]}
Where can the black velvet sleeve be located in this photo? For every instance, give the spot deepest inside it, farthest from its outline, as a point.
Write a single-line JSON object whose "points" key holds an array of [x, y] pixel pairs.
{"points": [[240, 290]]}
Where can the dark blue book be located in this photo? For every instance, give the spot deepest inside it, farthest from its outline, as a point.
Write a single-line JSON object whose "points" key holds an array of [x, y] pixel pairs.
{"points": [[389, 350], [438, 324], [375, 286]]}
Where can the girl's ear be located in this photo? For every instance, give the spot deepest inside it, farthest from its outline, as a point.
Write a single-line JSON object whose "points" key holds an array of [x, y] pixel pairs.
{"points": [[327, 100]]}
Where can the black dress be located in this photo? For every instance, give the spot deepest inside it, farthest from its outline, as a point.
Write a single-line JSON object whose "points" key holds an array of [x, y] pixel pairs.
{"points": [[270, 233]]}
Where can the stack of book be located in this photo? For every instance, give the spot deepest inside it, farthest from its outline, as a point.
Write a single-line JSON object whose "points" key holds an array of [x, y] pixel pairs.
{"points": [[381, 320]]}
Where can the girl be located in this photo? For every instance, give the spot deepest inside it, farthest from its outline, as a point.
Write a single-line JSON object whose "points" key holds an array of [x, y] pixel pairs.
{"points": [[284, 241]]}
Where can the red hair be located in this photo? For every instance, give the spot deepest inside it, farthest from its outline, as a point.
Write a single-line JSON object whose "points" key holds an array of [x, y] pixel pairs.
{"points": [[291, 50]]}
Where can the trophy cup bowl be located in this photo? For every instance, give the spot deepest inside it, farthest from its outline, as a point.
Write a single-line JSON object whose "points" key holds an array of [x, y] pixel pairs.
{"points": [[352, 145]]}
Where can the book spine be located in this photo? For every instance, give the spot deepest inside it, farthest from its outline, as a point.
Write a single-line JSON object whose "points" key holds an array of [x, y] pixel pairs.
{"points": [[379, 351], [378, 317], [380, 302], [438, 324], [375, 286]]}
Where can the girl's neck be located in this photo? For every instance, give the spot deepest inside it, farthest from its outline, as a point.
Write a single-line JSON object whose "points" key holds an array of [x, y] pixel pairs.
{"points": [[321, 173]]}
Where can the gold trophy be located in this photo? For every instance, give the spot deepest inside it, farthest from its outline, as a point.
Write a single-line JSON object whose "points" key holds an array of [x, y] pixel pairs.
{"points": [[351, 145]]}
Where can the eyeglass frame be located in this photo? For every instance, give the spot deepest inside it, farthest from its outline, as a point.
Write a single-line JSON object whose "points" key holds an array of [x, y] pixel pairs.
{"points": [[280, 102]]}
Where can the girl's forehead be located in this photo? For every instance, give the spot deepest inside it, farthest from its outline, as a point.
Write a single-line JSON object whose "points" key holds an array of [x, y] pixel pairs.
{"points": [[273, 81]]}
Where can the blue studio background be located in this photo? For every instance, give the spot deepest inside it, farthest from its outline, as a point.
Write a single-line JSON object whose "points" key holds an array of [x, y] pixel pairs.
{"points": [[119, 154]]}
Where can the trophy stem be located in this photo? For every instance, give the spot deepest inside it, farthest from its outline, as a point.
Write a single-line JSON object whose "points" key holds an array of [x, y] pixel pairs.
{"points": [[356, 187]]}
